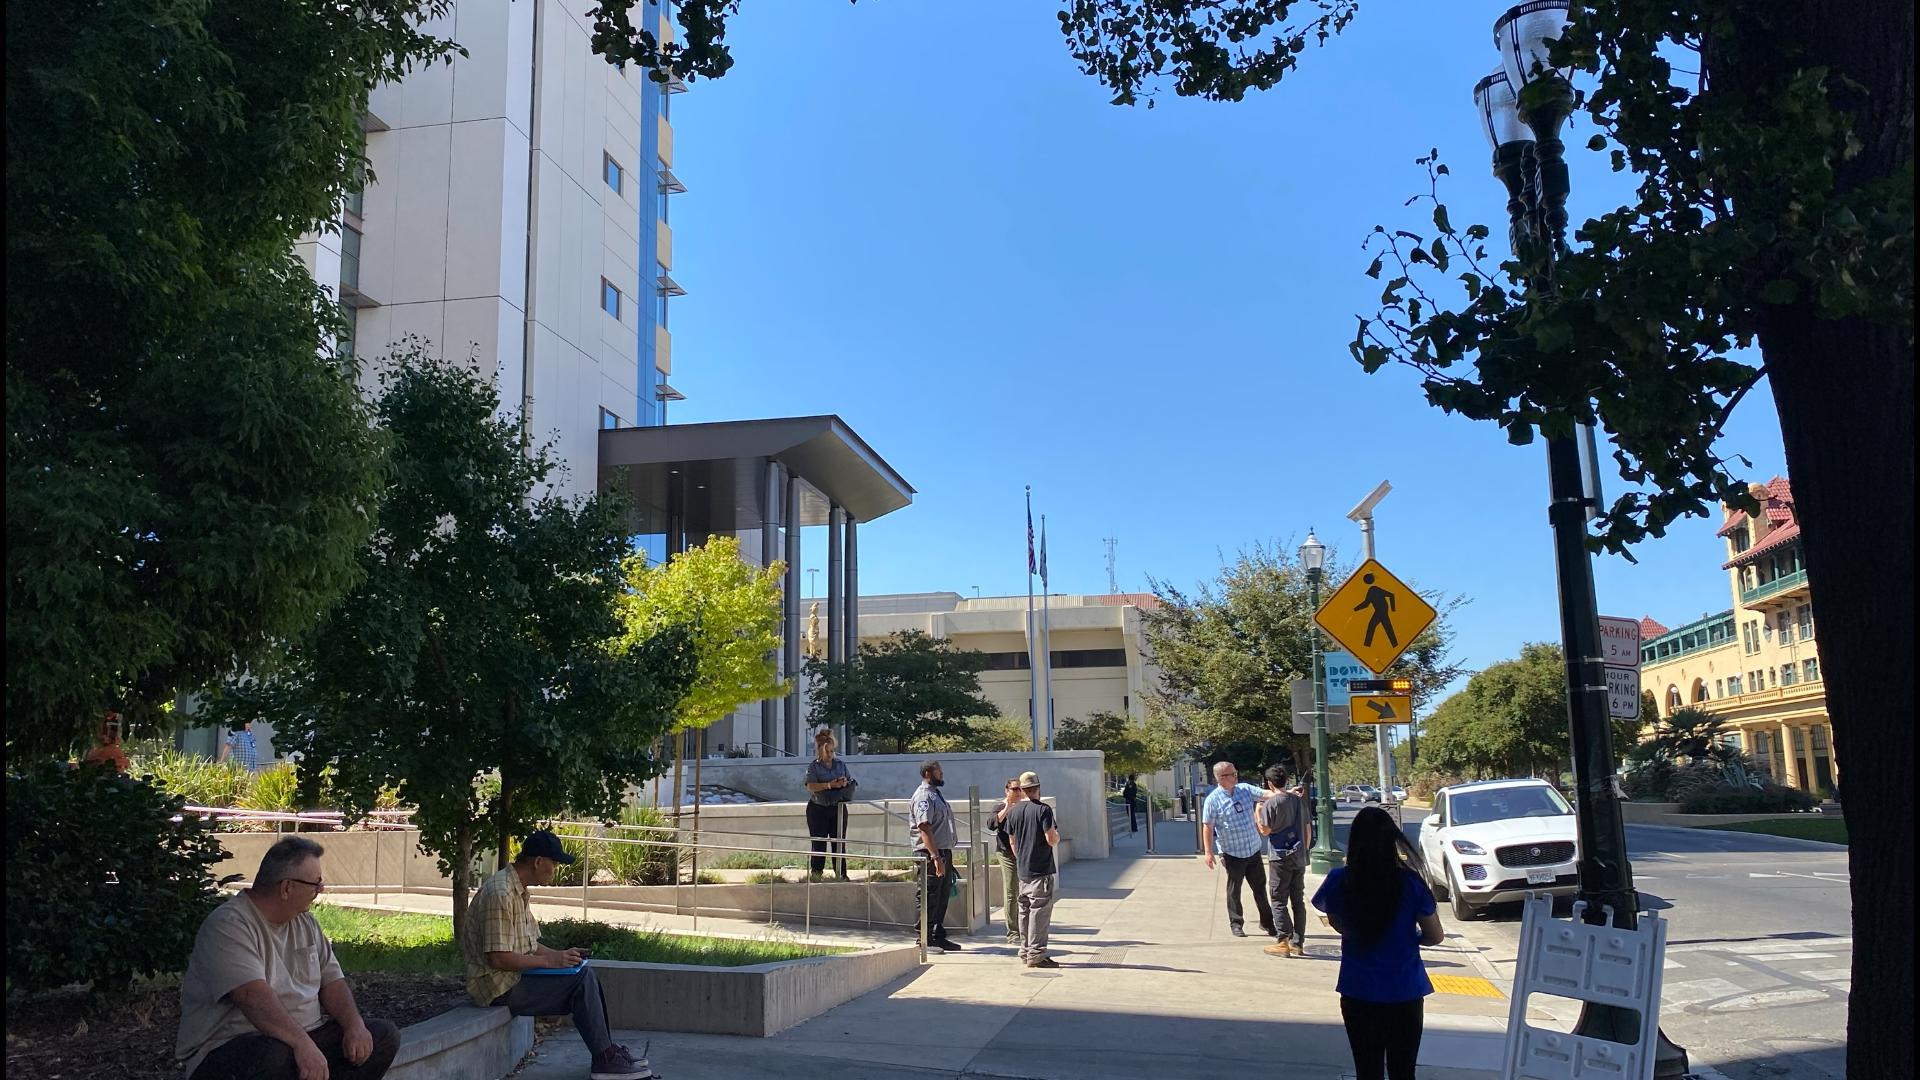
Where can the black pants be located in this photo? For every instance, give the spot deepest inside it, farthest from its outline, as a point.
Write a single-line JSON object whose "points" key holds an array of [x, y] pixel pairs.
{"points": [[262, 1057], [1287, 888], [1133, 816], [1385, 1037], [938, 885], [828, 824], [1253, 873]]}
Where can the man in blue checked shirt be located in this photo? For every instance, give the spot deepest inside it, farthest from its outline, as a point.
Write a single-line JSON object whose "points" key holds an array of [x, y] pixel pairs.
{"points": [[1226, 821]]}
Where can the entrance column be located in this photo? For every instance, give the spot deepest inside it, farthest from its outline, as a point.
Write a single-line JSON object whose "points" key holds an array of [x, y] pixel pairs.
{"points": [[791, 518], [769, 554], [835, 565]]}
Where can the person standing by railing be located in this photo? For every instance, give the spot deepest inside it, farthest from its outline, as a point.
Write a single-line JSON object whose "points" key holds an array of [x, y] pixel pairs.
{"points": [[1009, 869], [829, 789], [933, 837]]}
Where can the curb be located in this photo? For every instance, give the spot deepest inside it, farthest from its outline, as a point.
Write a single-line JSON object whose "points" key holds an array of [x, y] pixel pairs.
{"points": [[1695, 830]]}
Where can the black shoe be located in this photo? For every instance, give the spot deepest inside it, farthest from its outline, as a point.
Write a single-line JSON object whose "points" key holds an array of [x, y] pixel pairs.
{"points": [[944, 945], [1239, 932]]}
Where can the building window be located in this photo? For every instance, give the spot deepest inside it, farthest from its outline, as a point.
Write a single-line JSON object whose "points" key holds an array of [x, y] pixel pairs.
{"points": [[1784, 622], [1806, 622], [1733, 685], [609, 298], [615, 175], [1771, 681], [1080, 658], [1749, 637], [1811, 669], [350, 256], [1673, 699], [1719, 688], [608, 421], [344, 346], [1786, 675], [1740, 540], [356, 200]]}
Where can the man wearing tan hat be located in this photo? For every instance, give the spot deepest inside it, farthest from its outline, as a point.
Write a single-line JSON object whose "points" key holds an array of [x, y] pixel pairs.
{"points": [[1035, 834]]}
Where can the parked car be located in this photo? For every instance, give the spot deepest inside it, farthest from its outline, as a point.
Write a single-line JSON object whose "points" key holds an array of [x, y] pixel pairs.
{"points": [[1494, 841], [1399, 793], [1360, 793]]}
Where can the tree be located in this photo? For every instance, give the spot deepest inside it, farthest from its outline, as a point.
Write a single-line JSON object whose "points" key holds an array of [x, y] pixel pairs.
{"points": [[1131, 747], [189, 474], [907, 686], [991, 735], [733, 611], [1775, 209], [1228, 653], [483, 641], [1510, 719]]}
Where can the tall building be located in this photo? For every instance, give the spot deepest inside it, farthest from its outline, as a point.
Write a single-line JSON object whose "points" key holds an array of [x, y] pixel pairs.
{"points": [[1757, 664], [518, 216]]}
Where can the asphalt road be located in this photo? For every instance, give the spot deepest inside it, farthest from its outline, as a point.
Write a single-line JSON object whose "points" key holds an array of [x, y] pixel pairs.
{"points": [[1759, 947]]}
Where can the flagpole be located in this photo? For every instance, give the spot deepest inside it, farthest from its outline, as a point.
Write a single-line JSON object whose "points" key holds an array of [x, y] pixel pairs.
{"points": [[1046, 633], [1033, 675]]}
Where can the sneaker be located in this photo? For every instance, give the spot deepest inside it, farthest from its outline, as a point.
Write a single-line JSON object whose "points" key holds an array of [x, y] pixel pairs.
{"points": [[1043, 962], [616, 1063], [1284, 948], [1299, 946], [1239, 931]]}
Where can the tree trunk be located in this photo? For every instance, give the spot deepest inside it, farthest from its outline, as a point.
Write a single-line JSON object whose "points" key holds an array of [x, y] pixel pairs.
{"points": [[1844, 392], [504, 818], [1845, 396], [462, 877]]}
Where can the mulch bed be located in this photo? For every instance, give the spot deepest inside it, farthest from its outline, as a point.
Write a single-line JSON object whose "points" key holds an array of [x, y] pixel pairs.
{"points": [[69, 1038]]}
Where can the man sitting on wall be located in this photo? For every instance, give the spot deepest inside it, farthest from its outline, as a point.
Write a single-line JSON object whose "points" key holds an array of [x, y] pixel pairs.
{"points": [[507, 965], [263, 998]]}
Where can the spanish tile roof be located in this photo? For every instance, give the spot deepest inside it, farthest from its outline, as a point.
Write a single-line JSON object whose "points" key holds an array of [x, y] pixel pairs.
{"points": [[1649, 628], [1776, 505], [1773, 541]]}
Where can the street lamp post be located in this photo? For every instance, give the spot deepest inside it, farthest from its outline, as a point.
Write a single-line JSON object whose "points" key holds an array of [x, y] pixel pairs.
{"points": [[1324, 856], [1522, 107]]}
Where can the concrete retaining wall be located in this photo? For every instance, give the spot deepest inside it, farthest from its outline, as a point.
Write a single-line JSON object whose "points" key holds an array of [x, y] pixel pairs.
{"points": [[351, 859], [463, 1044], [762, 1000], [1074, 780]]}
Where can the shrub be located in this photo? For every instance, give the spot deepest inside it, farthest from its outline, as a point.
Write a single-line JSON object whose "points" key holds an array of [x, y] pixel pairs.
{"points": [[632, 864], [1649, 781], [1423, 783], [200, 781], [1768, 799], [102, 884]]}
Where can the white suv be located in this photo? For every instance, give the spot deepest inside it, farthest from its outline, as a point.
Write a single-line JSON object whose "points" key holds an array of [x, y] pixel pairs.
{"points": [[1499, 840]]}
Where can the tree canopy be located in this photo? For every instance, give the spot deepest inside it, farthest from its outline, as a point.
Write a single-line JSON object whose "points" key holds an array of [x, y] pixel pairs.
{"points": [[733, 613], [189, 474], [1228, 653], [907, 686], [483, 640], [1131, 746]]}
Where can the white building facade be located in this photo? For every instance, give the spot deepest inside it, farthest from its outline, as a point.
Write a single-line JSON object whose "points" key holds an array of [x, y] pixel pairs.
{"points": [[517, 216]]}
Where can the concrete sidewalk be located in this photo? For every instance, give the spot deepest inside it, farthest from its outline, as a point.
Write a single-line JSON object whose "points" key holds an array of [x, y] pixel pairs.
{"points": [[1151, 985]]}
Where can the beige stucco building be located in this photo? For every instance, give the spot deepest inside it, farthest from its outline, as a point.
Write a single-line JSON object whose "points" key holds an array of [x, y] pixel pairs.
{"points": [[1758, 663], [1098, 662]]}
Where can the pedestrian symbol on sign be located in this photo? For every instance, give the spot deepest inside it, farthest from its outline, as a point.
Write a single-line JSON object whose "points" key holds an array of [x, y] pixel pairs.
{"points": [[1381, 601]]}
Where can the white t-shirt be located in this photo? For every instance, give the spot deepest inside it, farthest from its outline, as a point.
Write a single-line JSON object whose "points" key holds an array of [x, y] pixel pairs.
{"points": [[235, 946]]}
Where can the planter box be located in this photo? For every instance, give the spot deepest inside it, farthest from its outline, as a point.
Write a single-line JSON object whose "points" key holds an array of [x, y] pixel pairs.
{"points": [[462, 1044], [762, 1000]]}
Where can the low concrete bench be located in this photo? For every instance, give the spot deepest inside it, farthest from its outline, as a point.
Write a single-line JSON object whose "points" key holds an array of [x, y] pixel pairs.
{"points": [[462, 1044]]}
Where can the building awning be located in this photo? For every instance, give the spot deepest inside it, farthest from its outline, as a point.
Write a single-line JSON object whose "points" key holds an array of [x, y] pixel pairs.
{"points": [[714, 476]]}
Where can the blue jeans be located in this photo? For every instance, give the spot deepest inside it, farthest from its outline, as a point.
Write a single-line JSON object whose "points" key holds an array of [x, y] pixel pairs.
{"points": [[577, 995]]}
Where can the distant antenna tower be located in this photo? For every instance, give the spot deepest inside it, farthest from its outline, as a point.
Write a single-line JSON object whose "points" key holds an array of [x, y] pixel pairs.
{"points": [[1113, 580]]}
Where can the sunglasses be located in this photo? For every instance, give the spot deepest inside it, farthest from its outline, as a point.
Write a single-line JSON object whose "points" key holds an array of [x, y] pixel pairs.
{"points": [[315, 885]]}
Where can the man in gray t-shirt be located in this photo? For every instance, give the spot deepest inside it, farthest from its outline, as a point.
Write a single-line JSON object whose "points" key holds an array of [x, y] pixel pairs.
{"points": [[1283, 819]]}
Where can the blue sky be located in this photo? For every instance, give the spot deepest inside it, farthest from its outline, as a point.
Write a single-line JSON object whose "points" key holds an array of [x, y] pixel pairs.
{"points": [[920, 216]]}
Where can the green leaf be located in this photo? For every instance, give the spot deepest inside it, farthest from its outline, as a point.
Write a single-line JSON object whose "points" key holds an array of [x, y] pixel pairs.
{"points": [[1779, 291]]}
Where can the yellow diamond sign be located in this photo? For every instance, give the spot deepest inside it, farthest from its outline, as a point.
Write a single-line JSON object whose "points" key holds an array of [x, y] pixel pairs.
{"points": [[1374, 616]]}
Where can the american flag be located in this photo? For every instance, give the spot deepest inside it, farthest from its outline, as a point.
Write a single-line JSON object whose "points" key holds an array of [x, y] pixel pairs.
{"points": [[1043, 549], [1032, 567]]}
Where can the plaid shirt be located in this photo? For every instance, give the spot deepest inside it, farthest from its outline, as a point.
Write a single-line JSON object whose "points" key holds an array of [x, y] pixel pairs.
{"points": [[1231, 815], [499, 919], [243, 750]]}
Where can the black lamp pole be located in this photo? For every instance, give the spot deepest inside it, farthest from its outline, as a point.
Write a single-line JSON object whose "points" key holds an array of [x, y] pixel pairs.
{"points": [[1535, 175]]}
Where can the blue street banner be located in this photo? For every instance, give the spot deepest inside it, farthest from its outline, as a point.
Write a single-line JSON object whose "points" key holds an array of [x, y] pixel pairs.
{"points": [[1342, 668]]}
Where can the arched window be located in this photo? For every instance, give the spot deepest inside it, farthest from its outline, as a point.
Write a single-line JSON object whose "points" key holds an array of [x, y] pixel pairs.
{"points": [[1673, 698], [1699, 690]]}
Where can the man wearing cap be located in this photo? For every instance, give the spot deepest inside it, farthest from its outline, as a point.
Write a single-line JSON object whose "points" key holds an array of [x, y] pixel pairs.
{"points": [[507, 965], [1035, 834]]}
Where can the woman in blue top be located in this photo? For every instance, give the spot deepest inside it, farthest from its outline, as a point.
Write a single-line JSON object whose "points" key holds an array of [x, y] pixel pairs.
{"points": [[1383, 911]]}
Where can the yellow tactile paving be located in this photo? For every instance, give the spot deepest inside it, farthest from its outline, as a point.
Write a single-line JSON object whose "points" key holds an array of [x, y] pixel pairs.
{"points": [[1465, 986]]}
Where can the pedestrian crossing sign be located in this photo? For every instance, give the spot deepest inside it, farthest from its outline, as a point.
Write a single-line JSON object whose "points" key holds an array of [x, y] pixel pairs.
{"points": [[1374, 616]]}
